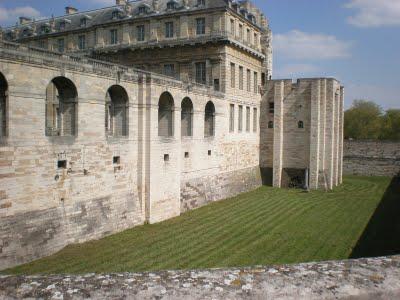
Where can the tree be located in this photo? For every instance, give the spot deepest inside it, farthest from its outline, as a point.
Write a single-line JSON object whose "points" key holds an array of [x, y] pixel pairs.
{"points": [[363, 120], [391, 125]]}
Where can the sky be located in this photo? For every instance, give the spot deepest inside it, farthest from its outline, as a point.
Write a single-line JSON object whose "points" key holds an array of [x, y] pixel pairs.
{"points": [[355, 41]]}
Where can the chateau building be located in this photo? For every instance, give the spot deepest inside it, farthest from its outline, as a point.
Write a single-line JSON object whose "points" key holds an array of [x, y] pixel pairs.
{"points": [[141, 111]]}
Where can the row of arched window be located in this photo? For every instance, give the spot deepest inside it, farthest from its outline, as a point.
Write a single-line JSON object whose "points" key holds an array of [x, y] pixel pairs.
{"points": [[166, 117], [61, 111]]}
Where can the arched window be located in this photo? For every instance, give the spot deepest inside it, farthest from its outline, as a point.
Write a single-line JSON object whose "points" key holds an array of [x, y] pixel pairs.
{"points": [[117, 108], [166, 115], [172, 4], [270, 124], [209, 120], [187, 117], [3, 105], [300, 124], [61, 101]]}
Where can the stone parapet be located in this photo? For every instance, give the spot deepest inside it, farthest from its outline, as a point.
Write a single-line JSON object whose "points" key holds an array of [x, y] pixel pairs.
{"points": [[374, 278]]}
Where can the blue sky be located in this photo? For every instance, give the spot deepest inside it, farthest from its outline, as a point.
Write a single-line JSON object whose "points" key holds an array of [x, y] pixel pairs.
{"points": [[356, 41]]}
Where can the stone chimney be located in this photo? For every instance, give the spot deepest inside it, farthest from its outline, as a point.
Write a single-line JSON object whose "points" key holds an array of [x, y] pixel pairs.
{"points": [[121, 2], [69, 10], [155, 5], [24, 20]]}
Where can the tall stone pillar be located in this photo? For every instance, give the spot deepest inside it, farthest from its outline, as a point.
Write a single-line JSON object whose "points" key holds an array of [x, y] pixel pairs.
{"points": [[315, 134], [322, 132], [278, 133], [341, 134], [330, 133]]}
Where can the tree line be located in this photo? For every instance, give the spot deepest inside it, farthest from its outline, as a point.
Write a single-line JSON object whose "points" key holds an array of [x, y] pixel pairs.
{"points": [[367, 120]]}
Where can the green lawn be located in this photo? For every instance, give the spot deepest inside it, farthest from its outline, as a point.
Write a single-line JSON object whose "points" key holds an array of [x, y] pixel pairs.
{"points": [[266, 226]]}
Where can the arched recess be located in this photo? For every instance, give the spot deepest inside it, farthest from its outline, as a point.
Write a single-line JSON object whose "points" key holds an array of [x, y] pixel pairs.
{"points": [[187, 117], [61, 107], [3, 105], [117, 112], [209, 120], [166, 115]]}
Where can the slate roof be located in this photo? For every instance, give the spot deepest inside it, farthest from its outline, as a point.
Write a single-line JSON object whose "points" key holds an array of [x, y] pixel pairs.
{"points": [[115, 14]]}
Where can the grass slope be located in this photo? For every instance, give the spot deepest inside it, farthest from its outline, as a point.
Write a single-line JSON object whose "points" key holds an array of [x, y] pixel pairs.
{"points": [[266, 226]]}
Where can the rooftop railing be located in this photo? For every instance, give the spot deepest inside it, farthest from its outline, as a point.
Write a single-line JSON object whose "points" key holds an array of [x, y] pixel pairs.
{"points": [[21, 52]]}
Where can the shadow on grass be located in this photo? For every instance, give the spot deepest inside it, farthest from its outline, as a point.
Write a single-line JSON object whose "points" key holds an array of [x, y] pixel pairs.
{"points": [[382, 234]]}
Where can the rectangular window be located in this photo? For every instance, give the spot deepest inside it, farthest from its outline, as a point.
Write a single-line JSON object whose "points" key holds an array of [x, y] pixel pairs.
{"points": [[113, 36], [241, 32], [140, 33], [233, 75], [271, 108], [201, 2], [255, 83], [240, 118], [256, 39], [233, 27], [201, 72], [241, 78], [60, 45], [83, 22], [216, 84], [248, 37], [169, 29], [232, 118], [41, 44], [169, 70], [248, 80], [82, 42], [62, 26], [255, 119], [200, 26], [248, 119]]}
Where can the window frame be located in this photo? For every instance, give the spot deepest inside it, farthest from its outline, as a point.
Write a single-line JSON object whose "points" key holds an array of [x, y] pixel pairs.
{"points": [[113, 36], [201, 72], [82, 42], [169, 30], [201, 26], [140, 33]]}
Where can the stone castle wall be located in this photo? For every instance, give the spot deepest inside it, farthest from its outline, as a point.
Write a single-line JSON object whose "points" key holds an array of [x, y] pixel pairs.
{"points": [[44, 208], [287, 149], [371, 158]]}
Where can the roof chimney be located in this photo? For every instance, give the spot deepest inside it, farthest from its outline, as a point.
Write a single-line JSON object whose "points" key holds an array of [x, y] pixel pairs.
{"points": [[69, 10], [121, 2], [24, 20]]}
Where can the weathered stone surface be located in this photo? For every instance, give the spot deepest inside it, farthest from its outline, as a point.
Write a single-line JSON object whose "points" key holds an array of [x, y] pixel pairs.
{"points": [[371, 158], [202, 191], [375, 278]]}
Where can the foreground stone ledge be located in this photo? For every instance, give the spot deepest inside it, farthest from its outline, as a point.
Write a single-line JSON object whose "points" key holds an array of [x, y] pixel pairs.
{"points": [[375, 278]]}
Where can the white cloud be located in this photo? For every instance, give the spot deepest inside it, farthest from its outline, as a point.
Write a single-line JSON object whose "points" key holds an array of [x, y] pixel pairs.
{"points": [[12, 14], [295, 70], [385, 96], [310, 46], [374, 13]]}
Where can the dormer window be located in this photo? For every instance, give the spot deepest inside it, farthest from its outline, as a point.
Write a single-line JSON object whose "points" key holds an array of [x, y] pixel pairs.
{"points": [[44, 29], [25, 32], [142, 9], [61, 26], [115, 14], [83, 22], [171, 4]]}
